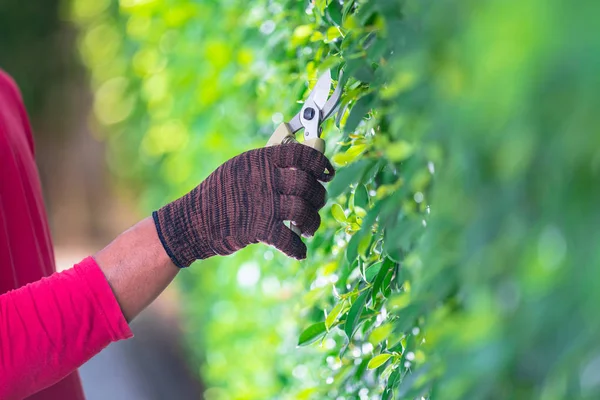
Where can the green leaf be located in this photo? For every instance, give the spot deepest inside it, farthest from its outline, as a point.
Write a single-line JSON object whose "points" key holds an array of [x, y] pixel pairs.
{"points": [[312, 334], [334, 314], [399, 302], [330, 62], [412, 385], [302, 32], [378, 49], [366, 10], [332, 34], [349, 156], [340, 114], [359, 110], [378, 361], [317, 36], [402, 236], [361, 70], [399, 151], [360, 370], [346, 176], [361, 197], [334, 12], [354, 314], [372, 172], [367, 223], [391, 384], [320, 5], [338, 213], [386, 286], [383, 271], [380, 333], [360, 212], [363, 245], [373, 271], [352, 247], [388, 371], [347, 7]]}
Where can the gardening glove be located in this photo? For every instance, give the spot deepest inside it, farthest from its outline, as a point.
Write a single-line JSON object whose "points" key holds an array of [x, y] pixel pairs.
{"points": [[245, 201]]}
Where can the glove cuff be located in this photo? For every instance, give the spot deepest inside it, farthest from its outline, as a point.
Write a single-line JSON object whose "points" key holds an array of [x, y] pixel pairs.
{"points": [[181, 243], [167, 248]]}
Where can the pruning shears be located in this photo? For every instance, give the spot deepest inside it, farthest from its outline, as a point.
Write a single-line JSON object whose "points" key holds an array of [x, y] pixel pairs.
{"points": [[315, 110]]}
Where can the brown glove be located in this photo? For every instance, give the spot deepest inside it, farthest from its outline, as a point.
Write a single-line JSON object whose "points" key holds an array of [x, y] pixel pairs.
{"points": [[245, 201]]}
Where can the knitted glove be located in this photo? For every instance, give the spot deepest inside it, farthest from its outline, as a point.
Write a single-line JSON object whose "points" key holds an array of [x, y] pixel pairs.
{"points": [[245, 201]]}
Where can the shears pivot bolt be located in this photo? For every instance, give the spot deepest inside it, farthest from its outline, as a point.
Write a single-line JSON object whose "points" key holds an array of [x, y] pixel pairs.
{"points": [[309, 113]]}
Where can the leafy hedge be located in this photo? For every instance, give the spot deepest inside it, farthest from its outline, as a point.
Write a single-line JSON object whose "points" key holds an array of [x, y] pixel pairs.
{"points": [[457, 256]]}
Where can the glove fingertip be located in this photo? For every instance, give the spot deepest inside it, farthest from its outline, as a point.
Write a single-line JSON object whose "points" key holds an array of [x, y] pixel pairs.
{"points": [[295, 249], [328, 171], [300, 253], [327, 177]]}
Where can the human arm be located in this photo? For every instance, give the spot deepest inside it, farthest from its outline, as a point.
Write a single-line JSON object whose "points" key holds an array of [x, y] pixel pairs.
{"points": [[51, 327], [137, 267]]}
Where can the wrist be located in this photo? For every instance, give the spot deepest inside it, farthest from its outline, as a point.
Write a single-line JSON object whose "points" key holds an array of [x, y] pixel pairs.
{"points": [[136, 267]]}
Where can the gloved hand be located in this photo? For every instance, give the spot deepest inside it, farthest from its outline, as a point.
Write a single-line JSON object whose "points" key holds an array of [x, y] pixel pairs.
{"points": [[245, 201]]}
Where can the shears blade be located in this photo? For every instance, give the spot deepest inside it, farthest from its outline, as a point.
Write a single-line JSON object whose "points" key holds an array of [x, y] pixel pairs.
{"points": [[320, 92], [318, 98]]}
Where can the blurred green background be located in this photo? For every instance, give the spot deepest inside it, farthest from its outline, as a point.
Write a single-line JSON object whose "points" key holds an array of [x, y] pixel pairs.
{"points": [[458, 255]]}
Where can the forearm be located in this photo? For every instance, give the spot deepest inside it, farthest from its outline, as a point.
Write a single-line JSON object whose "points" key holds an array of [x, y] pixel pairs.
{"points": [[137, 267], [52, 326]]}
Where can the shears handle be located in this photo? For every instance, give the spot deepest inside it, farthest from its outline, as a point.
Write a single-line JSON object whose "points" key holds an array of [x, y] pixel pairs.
{"points": [[283, 135]]}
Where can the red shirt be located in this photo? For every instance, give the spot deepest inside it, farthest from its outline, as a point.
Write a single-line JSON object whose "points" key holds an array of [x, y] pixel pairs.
{"points": [[50, 326]]}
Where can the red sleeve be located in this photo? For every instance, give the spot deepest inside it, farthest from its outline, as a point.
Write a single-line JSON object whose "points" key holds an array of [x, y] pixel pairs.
{"points": [[50, 327], [10, 88]]}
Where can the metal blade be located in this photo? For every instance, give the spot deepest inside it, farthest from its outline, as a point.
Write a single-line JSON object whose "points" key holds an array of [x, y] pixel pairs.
{"points": [[320, 92], [295, 124], [334, 100], [319, 95]]}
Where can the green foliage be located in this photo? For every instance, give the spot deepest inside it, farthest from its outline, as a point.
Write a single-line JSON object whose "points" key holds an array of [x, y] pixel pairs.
{"points": [[456, 259]]}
